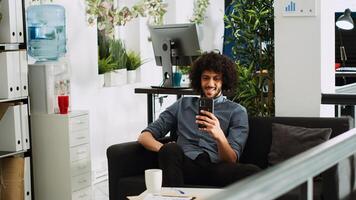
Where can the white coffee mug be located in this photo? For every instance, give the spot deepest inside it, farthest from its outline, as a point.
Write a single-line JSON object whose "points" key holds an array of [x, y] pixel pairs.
{"points": [[153, 180]]}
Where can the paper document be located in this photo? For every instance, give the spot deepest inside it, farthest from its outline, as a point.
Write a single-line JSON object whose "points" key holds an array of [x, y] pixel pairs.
{"points": [[167, 197]]}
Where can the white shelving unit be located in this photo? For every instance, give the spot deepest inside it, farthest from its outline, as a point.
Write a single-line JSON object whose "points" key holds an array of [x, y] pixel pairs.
{"points": [[14, 109]]}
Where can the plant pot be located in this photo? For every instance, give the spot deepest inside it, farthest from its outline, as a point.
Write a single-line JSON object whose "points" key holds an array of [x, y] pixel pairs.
{"points": [[101, 80], [177, 78], [121, 76], [114, 78], [185, 80], [131, 76]]}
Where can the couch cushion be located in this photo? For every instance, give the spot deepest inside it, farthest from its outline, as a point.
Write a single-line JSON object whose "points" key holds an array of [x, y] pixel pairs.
{"points": [[259, 140], [288, 141]]}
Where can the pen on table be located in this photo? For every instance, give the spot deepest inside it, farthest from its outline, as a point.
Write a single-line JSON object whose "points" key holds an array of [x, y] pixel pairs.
{"points": [[165, 195], [180, 191]]}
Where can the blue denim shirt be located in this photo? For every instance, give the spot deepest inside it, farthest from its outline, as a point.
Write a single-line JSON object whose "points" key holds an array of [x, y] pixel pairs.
{"points": [[233, 122]]}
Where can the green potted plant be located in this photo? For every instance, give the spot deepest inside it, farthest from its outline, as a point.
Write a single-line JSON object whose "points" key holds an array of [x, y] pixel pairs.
{"points": [[118, 59], [133, 63], [199, 11], [185, 70], [112, 60], [251, 24], [105, 60], [105, 63], [200, 7], [118, 54]]}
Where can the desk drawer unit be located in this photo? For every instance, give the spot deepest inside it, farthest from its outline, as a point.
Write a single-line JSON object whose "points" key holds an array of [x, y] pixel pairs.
{"points": [[79, 152], [80, 182], [79, 137], [62, 166], [80, 167], [79, 123], [84, 194]]}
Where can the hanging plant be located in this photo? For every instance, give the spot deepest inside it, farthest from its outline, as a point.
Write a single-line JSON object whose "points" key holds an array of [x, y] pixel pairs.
{"points": [[41, 1], [199, 11], [108, 17]]}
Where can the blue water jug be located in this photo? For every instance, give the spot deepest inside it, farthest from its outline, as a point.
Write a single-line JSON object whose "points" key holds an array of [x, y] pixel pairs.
{"points": [[46, 32]]}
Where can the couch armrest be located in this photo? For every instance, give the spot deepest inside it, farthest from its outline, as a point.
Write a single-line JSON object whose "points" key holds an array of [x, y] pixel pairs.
{"points": [[127, 159]]}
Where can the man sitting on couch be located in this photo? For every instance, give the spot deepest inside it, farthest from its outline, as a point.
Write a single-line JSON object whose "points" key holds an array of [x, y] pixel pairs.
{"points": [[208, 155]]}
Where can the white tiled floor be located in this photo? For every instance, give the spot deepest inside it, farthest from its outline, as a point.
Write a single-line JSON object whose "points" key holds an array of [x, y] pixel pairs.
{"points": [[101, 191]]}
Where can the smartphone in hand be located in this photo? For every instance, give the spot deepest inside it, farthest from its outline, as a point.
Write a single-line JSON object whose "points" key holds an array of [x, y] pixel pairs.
{"points": [[207, 105]]}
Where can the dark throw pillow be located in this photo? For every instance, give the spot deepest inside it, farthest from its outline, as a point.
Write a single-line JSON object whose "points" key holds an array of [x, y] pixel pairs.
{"points": [[288, 141]]}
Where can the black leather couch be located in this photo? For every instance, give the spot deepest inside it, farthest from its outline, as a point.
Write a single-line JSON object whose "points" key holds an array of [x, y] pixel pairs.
{"points": [[127, 161]]}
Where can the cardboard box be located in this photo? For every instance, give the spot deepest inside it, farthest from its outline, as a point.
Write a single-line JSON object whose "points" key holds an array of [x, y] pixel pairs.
{"points": [[12, 178], [13, 190], [12, 169], [3, 108]]}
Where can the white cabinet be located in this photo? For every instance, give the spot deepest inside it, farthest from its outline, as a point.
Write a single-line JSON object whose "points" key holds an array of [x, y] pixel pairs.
{"points": [[61, 156], [11, 24]]}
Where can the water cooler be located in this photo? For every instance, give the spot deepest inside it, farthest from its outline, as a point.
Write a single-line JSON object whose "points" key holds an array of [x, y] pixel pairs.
{"points": [[49, 76]]}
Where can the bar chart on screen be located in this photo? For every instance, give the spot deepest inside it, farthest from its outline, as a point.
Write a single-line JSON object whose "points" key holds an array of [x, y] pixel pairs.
{"points": [[290, 6], [299, 8]]}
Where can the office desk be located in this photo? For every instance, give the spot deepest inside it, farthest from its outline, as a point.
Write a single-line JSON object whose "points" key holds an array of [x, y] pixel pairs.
{"points": [[343, 78], [345, 74], [152, 91], [339, 99]]}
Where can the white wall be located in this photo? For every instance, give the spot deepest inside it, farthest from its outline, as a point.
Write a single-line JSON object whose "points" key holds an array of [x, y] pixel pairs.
{"points": [[305, 59], [211, 32], [213, 26], [117, 114]]}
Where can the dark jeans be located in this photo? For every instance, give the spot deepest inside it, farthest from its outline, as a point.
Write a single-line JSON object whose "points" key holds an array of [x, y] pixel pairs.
{"points": [[179, 170]]}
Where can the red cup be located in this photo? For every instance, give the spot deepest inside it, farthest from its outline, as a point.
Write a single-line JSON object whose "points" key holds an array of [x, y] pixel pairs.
{"points": [[63, 104]]}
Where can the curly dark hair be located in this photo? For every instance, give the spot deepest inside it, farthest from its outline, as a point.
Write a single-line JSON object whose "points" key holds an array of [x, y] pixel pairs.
{"points": [[217, 63]]}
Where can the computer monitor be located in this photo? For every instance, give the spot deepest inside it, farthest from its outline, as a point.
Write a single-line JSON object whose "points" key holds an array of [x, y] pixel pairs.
{"points": [[174, 44]]}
